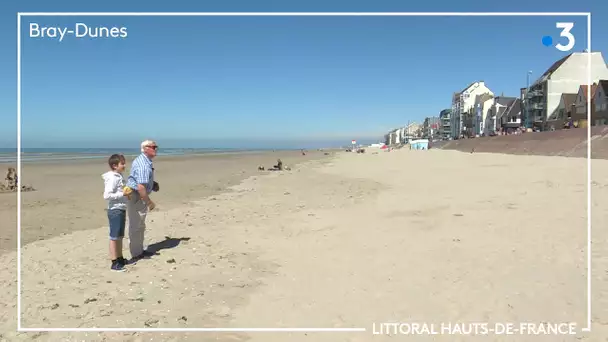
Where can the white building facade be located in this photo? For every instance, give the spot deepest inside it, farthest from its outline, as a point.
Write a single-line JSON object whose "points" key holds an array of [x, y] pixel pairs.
{"points": [[462, 102]]}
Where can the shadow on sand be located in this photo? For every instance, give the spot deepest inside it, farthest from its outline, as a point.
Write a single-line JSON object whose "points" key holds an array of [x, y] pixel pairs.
{"points": [[167, 243], [155, 248]]}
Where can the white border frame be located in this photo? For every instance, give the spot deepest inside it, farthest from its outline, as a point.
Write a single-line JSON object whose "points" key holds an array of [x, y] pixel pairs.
{"points": [[196, 14]]}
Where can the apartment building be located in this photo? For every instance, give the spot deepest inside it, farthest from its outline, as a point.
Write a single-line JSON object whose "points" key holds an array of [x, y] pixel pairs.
{"points": [[444, 118], [565, 76], [430, 128]]}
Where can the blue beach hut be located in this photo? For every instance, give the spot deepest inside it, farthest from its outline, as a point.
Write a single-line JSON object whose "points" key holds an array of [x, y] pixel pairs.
{"points": [[419, 144]]}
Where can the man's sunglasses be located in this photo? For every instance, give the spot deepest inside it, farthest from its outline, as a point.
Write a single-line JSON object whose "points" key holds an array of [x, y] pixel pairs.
{"points": [[153, 147]]}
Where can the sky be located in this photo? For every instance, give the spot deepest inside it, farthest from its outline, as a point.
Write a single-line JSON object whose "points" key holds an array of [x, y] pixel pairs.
{"points": [[237, 81]]}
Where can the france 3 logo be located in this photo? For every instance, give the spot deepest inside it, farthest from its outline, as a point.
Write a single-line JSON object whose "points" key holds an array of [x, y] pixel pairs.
{"points": [[565, 32]]}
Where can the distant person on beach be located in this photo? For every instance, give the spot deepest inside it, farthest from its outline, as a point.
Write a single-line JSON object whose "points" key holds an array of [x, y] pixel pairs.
{"points": [[117, 206], [141, 180], [11, 182]]}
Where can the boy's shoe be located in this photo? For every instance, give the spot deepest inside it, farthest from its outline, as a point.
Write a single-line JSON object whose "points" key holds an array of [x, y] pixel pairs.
{"points": [[122, 261], [117, 266]]}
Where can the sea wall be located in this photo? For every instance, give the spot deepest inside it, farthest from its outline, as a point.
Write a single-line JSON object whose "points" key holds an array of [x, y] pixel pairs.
{"points": [[568, 143]]}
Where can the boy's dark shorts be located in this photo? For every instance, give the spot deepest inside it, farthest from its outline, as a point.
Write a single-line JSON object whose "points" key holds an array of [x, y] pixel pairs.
{"points": [[117, 218]]}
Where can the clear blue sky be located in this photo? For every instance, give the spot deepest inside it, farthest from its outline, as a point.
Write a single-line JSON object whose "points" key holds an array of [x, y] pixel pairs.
{"points": [[216, 80]]}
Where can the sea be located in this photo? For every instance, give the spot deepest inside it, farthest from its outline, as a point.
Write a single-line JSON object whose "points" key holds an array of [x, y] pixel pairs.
{"points": [[33, 155], [52, 153]]}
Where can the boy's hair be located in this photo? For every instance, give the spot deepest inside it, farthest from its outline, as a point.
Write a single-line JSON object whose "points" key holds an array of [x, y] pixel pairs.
{"points": [[115, 159]]}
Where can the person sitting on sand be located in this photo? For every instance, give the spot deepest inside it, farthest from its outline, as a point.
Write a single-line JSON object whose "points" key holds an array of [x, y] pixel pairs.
{"points": [[117, 206], [11, 181]]}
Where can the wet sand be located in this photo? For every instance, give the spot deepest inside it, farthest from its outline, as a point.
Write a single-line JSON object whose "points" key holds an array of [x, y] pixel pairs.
{"points": [[69, 193]]}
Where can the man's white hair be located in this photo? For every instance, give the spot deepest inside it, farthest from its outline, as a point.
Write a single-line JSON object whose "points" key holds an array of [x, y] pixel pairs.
{"points": [[147, 143]]}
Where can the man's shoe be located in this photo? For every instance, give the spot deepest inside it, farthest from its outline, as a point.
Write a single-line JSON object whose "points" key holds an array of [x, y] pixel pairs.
{"points": [[143, 255], [147, 254]]}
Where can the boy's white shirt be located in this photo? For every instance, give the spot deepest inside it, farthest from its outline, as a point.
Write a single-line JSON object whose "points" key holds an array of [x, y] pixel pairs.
{"points": [[112, 192]]}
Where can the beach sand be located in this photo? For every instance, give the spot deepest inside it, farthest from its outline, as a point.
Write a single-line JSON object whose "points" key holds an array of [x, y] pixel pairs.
{"points": [[403, 236], [69, 196]]}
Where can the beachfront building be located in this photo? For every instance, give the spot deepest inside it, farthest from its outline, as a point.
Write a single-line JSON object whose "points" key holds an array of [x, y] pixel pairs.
{"points": [[601, 103], [430, 128], [462, 102], [403, 135], [444, 117], [497, 108], [411, 131], [479, 114], [389, 138], [510, 119], [563, 115], [397, 136], [579, 117], [563, 77], [393, 137], [486, 111]]}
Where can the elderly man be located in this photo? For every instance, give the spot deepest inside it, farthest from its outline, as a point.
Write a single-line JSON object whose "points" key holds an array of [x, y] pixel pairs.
{"points": [[141, 180]]}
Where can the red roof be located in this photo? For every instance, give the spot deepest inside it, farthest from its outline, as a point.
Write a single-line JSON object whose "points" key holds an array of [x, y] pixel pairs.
{"points": [[585, 88]]}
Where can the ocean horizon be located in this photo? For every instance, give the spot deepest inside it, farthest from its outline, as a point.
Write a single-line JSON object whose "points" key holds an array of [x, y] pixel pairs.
{"points": [[9, 155], [54, 153], [45, 154]]}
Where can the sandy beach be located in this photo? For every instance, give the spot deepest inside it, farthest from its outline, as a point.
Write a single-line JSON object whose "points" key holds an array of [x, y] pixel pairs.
{"points": [[68, 197], [344, 241]]}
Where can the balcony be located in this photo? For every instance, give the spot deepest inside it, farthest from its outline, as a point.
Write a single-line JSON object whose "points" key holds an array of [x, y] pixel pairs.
{"points": [[535, 93], [537, 106]]}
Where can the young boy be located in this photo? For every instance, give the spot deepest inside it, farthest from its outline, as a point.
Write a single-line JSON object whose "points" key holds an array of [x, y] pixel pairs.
{"points": [[117, 209]]}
